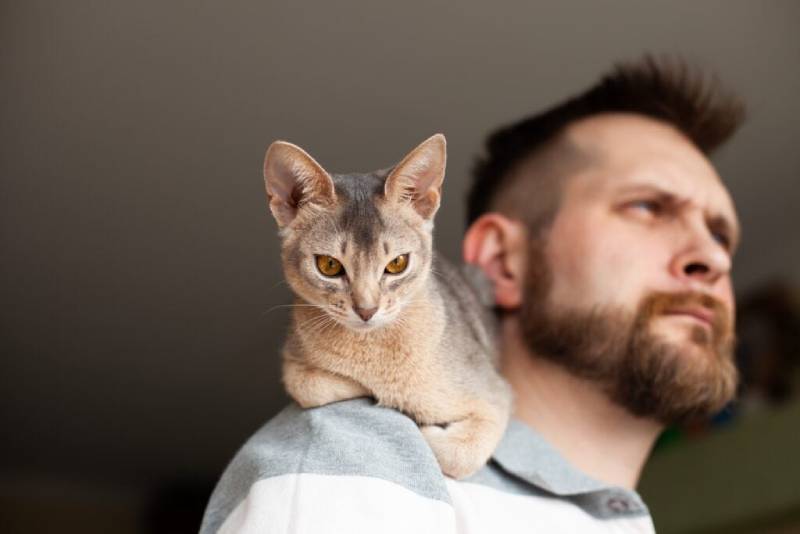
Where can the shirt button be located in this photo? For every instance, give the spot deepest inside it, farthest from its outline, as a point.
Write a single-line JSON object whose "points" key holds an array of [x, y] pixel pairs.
{"points": [[618, 505]]}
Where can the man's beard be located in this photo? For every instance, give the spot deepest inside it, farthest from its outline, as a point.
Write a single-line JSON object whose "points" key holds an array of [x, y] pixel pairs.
{"points": [[649, 376]]}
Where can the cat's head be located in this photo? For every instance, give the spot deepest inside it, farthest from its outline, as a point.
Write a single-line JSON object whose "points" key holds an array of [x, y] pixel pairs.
{"points": [[359, 246]]}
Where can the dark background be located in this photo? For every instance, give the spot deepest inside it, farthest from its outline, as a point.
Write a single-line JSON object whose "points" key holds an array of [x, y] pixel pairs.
{"points": [[138, 263]]}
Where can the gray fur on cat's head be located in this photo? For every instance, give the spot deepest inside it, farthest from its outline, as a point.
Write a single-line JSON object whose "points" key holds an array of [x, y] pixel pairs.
{"points": [[362, 220]]}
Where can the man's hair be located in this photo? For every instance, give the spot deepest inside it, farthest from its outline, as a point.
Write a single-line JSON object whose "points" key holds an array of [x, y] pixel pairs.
{"points": [[661, 88]]}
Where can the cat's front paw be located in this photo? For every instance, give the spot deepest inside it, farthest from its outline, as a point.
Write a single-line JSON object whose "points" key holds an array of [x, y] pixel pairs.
{"points": [[311, 387], [458, 457], [311, 397]]}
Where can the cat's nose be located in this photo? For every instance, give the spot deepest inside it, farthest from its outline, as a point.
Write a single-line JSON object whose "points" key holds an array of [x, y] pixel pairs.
{"points": [[365, 313]]}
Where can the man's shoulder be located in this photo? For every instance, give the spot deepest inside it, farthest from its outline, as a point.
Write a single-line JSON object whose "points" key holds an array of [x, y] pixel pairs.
{"points": [[349, 439], [357, 467], [354, 437]]}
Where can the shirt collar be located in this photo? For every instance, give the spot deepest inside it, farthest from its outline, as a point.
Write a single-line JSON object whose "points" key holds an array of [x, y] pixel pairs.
{"points": [[524, 453]]}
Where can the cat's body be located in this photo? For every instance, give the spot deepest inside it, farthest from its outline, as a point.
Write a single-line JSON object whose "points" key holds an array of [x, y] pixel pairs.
{"points": [[441, 345], [388, 320]]}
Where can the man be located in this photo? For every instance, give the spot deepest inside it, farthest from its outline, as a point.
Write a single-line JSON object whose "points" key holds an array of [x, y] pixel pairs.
{"points": [[607, 236]]}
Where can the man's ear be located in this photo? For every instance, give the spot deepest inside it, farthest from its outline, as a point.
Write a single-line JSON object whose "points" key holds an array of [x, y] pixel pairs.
{"points": [[293, 179], [498, 246]]}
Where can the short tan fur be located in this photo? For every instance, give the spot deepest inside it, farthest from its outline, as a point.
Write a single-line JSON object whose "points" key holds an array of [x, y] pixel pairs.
{"points": [[394, 321]]}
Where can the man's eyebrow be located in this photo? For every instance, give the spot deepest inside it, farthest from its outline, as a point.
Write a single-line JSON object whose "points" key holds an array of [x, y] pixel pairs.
{"points": [[716, 222], [663, 194]]}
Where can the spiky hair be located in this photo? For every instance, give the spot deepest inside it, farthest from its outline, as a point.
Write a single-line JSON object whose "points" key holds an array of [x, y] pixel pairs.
{"points": [[664, 88]]}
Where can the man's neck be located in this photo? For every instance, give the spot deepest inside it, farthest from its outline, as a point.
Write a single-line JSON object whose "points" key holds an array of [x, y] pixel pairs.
{"points": [[594, 434]]}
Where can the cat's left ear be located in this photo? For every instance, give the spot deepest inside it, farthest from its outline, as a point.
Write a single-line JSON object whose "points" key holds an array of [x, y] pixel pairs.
{"points": [[418, 178]]}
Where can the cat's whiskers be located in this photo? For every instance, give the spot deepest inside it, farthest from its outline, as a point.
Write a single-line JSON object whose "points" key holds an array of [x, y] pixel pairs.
{"points": [[316, 329], [322, 323], [314, 319], [321, 314], [317, 325], [331, 324], [276, 284], [277, 306]]}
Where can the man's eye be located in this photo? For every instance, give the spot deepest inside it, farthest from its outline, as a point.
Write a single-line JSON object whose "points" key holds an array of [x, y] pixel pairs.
{"points": [[653, 206], [722, 239]]}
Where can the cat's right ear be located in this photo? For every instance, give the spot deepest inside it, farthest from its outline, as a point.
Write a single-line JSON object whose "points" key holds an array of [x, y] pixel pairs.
{"points": [[417, 179], [294, 179]]}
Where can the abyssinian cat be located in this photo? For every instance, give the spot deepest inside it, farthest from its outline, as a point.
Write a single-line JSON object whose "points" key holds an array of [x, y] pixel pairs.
{"points": [[377, 313]]}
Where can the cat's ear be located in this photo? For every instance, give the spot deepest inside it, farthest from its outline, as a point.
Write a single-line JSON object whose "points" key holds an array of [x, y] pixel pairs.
{"points": [[294, 179], [418, 178]]}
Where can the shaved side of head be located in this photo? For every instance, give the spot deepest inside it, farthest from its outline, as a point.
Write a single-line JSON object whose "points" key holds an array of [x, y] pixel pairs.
{"points": [[533, 187]]}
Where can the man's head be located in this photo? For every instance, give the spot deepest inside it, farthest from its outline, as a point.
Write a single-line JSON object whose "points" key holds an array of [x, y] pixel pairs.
{"points": [[609, 237]]}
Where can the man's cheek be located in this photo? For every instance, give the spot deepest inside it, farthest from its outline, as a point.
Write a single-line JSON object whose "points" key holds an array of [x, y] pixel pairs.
{"points": [[726, 297], [614, 276]]}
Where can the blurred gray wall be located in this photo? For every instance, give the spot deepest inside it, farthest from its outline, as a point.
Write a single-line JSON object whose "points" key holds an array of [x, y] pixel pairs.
{"points": [[139, 266]]}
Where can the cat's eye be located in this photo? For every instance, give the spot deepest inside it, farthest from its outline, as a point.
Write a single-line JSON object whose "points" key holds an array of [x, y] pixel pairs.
{"points": [[329, 266], [397, 265]]}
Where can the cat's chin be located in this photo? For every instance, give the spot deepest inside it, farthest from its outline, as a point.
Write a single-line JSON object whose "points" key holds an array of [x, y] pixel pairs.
{"points": [[360, 327]]}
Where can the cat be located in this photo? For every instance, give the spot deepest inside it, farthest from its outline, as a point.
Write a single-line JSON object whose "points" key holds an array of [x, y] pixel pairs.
{"points": [[377, 313]]}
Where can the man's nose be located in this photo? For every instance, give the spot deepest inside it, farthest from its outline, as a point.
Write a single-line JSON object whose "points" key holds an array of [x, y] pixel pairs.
{"points": [[701, 258]]}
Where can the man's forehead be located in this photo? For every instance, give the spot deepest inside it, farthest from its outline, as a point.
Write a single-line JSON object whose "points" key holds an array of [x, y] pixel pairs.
{"points": [[630, 139], [610, 128], [633, 153]]}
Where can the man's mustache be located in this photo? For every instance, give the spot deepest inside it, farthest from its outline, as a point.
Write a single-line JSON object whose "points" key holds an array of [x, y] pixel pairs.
{"points": [[700, 304]]}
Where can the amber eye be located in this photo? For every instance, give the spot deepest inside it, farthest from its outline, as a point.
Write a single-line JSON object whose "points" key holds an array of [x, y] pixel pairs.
{"points": [[329, 266], [397, 265]]}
